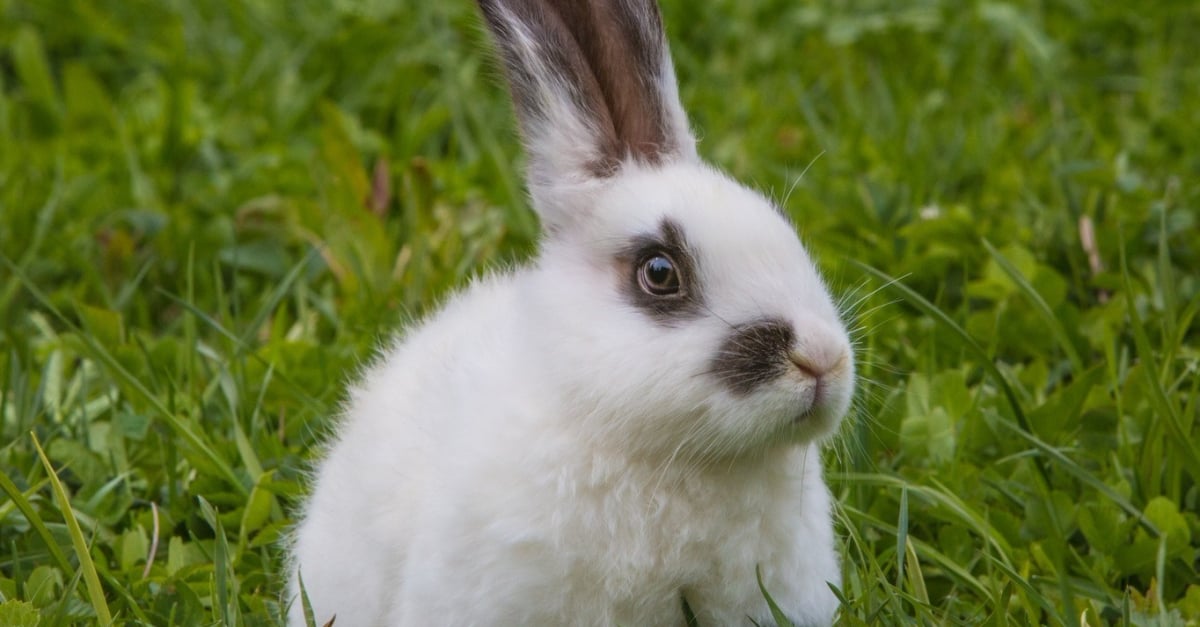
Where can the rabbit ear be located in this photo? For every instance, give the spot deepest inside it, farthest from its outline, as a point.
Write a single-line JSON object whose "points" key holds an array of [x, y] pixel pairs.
{"points": [[593, 86]]}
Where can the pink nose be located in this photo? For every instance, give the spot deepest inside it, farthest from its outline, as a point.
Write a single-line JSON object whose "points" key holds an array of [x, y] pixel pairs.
{"points": [[806, 365], [816, 355]]}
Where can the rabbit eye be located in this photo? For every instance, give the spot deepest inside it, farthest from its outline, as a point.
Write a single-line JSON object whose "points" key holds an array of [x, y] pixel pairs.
{"points": [[657, 275]]}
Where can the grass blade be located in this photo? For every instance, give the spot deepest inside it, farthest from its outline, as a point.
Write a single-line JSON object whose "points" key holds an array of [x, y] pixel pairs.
{"points": [[306, 605], [90, 578], [225, 587], [781, 619], [916, 579], [901, 535], [1166, 410], [35, 521], [1040, 305]]}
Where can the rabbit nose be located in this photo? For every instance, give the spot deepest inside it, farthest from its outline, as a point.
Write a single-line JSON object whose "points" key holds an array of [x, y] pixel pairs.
{"points": [[816, 365], [817, 359], [805, 364]]}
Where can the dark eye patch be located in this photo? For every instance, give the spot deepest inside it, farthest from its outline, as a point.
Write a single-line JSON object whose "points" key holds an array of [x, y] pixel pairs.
{"points": [[753, 354], [668, 309]]}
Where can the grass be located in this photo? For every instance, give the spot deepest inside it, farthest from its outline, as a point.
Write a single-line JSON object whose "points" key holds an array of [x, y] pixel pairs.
{"points": [[212, 210]]}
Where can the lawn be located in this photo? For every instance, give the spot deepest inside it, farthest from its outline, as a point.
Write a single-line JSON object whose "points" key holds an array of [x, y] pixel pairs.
{"points": [[212, 212]]}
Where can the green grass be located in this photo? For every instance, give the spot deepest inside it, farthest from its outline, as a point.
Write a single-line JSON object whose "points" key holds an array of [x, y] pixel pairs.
{"points": [[211, 211]]}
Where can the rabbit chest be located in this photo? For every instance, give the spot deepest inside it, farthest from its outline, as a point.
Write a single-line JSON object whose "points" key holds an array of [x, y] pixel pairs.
{"points": [[624, 543]]}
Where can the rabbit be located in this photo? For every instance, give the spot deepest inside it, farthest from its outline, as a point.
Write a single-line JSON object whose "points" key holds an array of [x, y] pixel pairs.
{"points": [[626, 427]]}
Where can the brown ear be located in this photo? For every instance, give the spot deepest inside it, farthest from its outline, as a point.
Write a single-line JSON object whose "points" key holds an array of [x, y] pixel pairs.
{"points": [[592, 82]]}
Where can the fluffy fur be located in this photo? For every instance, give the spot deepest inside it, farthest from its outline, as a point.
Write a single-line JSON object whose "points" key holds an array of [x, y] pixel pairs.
{"points": [[547, 451]]}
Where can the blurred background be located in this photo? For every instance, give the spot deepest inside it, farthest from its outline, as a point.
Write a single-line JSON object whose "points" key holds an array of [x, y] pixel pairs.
{"points": [[212, 211]]}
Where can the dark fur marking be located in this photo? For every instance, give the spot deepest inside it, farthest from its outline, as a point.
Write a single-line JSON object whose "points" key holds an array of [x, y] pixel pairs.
{"points": [[753, 355], [624, 42], [609, 57], [671, 309], [561, 55]]}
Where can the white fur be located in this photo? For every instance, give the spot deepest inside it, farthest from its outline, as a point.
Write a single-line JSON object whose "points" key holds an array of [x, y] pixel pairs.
{"points": [[541, 452]]}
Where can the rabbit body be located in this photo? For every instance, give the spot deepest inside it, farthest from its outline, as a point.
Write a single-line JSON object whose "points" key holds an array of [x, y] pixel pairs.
{"points": [[631, 421], [546, 536]]}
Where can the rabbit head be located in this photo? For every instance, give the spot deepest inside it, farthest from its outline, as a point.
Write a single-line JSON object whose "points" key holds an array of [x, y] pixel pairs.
{"points": [[675, 311]]}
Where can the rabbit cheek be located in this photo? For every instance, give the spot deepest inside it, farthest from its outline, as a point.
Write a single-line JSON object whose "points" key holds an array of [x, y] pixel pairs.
{"points": [[756, 366]]}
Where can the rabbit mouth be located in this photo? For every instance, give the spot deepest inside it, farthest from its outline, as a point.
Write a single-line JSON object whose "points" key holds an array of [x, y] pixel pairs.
{"points": [[814, 391], [818, 404]]}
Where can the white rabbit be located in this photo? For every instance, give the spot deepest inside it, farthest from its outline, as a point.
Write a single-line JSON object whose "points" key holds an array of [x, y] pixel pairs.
{"points": [[629, 423]]}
